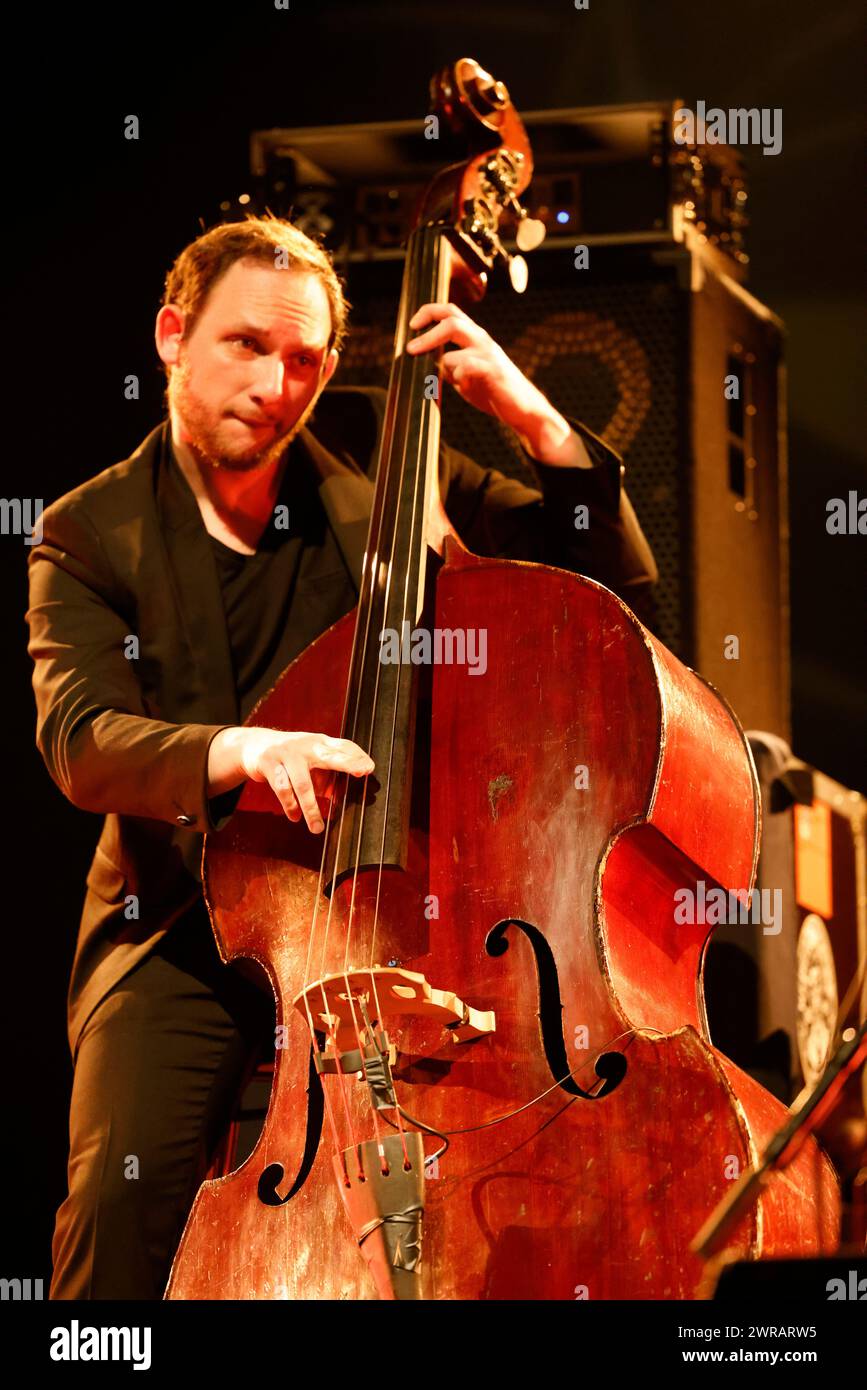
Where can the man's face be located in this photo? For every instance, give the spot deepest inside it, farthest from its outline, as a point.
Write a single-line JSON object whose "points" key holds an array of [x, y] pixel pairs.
{"points": [[245, 381]]}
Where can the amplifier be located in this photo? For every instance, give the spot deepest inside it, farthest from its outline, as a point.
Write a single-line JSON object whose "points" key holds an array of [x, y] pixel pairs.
{"points": [[774, 992], [605, 173]]}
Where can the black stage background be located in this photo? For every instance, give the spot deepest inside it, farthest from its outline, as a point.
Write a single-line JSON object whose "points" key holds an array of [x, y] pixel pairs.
{"points": [[98, 219]]}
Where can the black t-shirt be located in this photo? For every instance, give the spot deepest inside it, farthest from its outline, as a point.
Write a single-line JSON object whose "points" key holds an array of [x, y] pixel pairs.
{"points": [[294, 587]]}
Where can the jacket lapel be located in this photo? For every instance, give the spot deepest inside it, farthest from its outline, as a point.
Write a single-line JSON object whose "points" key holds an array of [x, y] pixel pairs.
{"points": [[347, 498]]}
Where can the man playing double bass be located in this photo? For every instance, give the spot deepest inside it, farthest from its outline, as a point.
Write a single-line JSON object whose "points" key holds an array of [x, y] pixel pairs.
{"points": [[167, 596]]}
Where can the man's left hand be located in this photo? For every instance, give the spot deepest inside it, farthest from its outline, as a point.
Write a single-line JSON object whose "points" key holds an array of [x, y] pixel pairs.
{"points": [[485, 377]]}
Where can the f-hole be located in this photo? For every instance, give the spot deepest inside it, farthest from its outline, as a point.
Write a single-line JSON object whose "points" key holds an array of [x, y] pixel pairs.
{"points": [[271, 1177], [610, 1067]]}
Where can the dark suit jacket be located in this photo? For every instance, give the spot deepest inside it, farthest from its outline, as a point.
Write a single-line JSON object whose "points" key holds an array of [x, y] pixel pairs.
{"points": [[129, 738]]}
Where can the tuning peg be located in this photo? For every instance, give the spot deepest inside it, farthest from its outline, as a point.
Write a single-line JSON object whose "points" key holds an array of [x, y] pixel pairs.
{"points": [[531, 232], [517, 266], [518, 273]]}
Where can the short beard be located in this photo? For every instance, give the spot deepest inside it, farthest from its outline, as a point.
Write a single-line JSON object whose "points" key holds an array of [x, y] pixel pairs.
{"points": [[199, 433]]}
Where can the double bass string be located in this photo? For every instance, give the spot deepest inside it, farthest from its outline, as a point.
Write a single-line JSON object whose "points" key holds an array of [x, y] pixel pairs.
{"points": [[371, 571], [367, 585], [403, 366], [422, 446], [409, 300], [332, 1026]]}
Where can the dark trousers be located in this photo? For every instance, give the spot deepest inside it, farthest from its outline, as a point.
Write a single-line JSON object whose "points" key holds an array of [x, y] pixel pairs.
{"points": [[160, 1066]]}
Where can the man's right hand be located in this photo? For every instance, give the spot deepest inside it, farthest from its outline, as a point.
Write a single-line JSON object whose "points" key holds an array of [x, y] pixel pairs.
{"points": [[299, 767]]}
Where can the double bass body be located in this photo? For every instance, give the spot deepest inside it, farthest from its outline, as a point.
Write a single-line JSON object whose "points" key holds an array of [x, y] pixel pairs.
{"points": [[565, 798]]}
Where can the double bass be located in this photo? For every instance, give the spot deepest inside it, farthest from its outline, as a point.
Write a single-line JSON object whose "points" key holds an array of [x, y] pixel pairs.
{"points": [[493, 1076]]}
